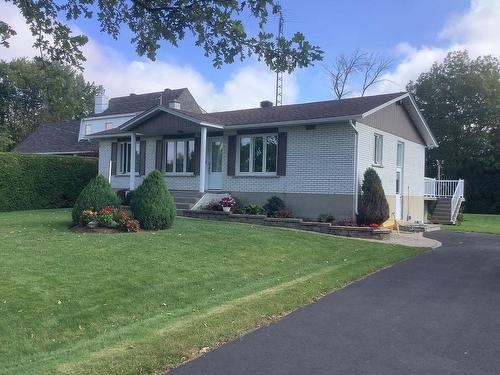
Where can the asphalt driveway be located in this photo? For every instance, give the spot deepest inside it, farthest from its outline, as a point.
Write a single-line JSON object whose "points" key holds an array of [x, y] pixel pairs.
{"points": [[437, 313]]}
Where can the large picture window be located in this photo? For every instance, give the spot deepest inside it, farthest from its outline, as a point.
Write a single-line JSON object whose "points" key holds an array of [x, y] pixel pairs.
{"points": [[179, 156], [124, 153], [258, 154]]}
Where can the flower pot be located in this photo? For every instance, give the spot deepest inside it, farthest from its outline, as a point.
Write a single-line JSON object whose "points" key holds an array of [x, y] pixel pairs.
{"points": [[226, 209]]}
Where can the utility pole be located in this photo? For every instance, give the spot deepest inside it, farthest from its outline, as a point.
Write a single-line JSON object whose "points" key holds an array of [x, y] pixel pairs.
{"points": [[279, 75]]}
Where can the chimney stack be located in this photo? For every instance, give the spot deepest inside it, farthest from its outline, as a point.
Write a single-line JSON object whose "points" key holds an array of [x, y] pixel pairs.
{"points": [[266, 104], [174, 104], [101, 102]]}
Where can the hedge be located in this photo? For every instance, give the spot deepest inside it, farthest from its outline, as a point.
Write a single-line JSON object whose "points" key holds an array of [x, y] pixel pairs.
{"points": [[30, 181]]}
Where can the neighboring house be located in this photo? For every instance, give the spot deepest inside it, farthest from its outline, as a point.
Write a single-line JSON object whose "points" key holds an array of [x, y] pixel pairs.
{"points": [[312, 155], [58, 138]]}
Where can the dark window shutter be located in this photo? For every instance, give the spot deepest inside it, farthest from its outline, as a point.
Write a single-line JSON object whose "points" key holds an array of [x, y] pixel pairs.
{"points": [[142, 158], [159, 155], [231, 155], [197, 146], [282, 140], [114, 152]]}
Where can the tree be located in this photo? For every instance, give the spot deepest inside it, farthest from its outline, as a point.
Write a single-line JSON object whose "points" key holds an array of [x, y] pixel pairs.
{"points": [[460, 99], [34, 92], [373, 207], [151, 203], [367, 68], [215, 25]]}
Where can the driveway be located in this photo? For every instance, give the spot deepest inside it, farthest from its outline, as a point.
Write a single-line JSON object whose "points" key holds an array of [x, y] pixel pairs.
{"points": [[437, 313]]}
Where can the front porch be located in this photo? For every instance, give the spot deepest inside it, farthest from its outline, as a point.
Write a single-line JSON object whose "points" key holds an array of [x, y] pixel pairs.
{"points": [[448, 195]]}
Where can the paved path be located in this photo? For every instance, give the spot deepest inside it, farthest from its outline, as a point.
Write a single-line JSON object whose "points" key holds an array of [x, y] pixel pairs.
{"points": [[438, 313]]}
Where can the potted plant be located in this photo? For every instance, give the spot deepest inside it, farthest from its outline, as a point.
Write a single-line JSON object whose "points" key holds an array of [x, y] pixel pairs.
{"points": [[227, 203]]}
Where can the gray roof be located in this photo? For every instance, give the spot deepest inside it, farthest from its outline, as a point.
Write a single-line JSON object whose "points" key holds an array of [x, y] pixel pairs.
{"points": [[56, 137], [142, 102]]}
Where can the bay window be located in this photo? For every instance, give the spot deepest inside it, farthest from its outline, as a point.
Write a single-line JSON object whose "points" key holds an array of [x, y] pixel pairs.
{"points": [[124, 153], [179, 156], [258, 154]]}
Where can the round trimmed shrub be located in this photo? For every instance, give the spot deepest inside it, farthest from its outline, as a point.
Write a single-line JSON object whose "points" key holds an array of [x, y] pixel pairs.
{"points": [[151, 204], [273, 205], [373, 208], [97, 195]]}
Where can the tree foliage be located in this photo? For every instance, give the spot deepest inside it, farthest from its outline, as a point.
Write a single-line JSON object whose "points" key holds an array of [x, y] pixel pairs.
{"points": [[215, 25], [151, 203], [34, 92], [460, 99], [97, 195], [373, 206]]}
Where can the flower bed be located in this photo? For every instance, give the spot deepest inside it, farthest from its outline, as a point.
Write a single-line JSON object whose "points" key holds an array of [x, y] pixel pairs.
{"points": [[326, 228], [107, 220]]}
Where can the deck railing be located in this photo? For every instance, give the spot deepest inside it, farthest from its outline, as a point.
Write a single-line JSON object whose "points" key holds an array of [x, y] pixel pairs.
{"points": [[443, 188], [457, 197]]}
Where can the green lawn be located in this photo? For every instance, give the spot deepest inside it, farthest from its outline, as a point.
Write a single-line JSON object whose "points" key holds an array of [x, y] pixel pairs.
{"points": [[477, 223], [139, 303]]}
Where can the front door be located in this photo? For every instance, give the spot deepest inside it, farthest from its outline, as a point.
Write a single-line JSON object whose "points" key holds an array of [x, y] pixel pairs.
{"points": [[214, 163]]}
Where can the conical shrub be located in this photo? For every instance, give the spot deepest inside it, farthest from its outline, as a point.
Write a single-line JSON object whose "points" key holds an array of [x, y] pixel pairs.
{"points": [[95, 196], [373, 208], [151, 204]]}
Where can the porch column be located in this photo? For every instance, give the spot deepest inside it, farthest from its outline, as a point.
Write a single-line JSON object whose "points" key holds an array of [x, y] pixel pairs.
{"points": [[203, 155], [132, 161]]}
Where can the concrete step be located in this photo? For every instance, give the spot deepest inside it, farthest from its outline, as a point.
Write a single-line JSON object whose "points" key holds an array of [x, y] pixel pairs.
{"points": [[185, 199], [184, 206]]}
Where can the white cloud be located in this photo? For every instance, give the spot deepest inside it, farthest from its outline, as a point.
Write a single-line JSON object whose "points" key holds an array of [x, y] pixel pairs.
{"points": [[476, 30], [120, 76]]}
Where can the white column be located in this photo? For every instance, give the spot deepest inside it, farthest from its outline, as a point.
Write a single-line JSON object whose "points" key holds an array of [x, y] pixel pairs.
{"points": [[203, 157], [132, 162]]}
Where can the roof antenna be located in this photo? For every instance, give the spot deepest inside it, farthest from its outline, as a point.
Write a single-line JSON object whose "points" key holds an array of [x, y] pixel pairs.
{"points": [[279, 75]]}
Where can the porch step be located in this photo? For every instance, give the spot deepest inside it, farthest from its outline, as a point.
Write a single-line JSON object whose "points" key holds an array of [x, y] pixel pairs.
{"points": [[442, 212], [185, 199]]}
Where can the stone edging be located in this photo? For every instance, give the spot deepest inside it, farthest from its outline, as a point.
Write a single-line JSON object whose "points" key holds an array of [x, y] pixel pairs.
{"points": [[327, 228]]}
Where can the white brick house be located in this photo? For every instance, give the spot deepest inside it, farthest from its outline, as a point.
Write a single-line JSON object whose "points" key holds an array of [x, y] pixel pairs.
{"points": [[313, 155]]}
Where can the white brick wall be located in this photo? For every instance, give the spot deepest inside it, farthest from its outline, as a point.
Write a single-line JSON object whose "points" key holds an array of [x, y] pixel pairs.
{"points": [[414, 161]]}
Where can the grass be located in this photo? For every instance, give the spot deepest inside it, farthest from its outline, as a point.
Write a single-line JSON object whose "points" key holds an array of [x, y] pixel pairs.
{"points": [[73, 303], [477, 223]]}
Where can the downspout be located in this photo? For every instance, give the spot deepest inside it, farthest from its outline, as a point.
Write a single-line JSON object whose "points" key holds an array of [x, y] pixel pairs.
{"points": [[355, 200]]}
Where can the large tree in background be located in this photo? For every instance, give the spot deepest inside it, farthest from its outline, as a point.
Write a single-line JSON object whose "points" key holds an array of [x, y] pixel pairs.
{"points": [[460, 99], [33, 92], [216, 26]]}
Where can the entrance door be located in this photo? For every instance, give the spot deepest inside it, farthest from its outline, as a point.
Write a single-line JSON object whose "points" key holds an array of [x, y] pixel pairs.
{"points": [[399, 180], [214, 161]]}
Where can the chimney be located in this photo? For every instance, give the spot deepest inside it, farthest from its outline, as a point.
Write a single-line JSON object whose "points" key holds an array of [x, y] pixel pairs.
{"points": [[101, 102], [266, 104], [174, 104]]}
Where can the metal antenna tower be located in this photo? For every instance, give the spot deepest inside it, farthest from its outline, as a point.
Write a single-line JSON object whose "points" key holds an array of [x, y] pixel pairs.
{"points": [[279, 75]]}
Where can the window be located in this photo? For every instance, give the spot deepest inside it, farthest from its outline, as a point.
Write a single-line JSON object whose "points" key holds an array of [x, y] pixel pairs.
{"points": [[124, 154], [88, 129], [400, 154], [180, 156], [109, 125], [377, 154], [258, 154]]}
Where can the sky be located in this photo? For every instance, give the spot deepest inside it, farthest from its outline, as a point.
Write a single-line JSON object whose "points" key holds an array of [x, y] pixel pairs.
{"points": [[412, 33]]}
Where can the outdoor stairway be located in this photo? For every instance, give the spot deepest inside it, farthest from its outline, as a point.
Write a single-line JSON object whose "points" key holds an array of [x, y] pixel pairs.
{"points": [[441, 214], [185, 199]]}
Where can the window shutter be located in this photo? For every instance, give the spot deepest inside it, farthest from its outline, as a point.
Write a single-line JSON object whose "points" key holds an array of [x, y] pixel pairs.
{"points": [[231, 155], [114, 152], [142, 158], [282, 141], [159, 155], [197, 146]]}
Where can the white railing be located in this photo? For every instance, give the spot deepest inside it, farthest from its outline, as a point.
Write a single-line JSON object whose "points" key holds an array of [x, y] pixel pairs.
{"points": [[456, 200], [441, 188]]}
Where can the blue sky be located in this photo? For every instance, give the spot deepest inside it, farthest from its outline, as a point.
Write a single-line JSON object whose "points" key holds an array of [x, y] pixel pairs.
{"points": [[413, 33]]}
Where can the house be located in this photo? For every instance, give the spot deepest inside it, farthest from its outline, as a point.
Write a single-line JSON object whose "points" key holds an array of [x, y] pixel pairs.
{"points": [[312, 155], [57, 138]]}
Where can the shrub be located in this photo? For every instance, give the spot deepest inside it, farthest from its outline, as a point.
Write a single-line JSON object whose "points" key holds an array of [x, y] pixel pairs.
{"points": [[124, 222], [274, 204], [29, 181], [97, 195], [374, 208], [105, 217], [254, 209], [213, 206], [326, 218], [283, 213], [151, 204]]}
